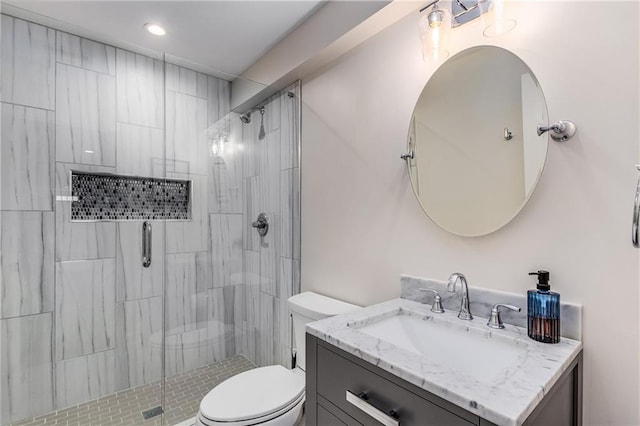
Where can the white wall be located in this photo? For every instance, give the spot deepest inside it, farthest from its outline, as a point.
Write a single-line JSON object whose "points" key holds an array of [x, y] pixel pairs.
{"points": [[362, 227], [533, 113]]}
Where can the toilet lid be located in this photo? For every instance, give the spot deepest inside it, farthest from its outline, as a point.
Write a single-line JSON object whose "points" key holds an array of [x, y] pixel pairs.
{"points": [[252, 394]]}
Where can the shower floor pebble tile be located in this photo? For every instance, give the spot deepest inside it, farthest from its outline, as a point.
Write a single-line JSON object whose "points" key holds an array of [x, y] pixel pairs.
{"points": [[183, 394]]}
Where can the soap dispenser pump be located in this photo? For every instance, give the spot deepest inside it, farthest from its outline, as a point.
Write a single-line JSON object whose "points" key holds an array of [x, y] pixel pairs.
{"points": [[543, 311]]}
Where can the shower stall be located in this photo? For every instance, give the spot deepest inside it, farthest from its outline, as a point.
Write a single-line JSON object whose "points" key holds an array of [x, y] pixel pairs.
{"points": [[134, 272]]}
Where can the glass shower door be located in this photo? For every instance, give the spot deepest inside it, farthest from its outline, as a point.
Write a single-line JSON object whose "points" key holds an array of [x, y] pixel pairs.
{"points": [[198, 335], [226, 286], [83, 162]]}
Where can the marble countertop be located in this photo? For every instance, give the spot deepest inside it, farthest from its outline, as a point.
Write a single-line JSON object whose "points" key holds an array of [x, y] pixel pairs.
{"points": [[505, 400]]}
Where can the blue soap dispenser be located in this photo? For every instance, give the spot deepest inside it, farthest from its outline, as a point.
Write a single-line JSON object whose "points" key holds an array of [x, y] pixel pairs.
{"points": [[543, 311]]}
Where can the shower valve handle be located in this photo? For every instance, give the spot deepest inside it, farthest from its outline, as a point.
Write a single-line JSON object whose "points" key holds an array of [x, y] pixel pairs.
{"points": [[261, 224]]}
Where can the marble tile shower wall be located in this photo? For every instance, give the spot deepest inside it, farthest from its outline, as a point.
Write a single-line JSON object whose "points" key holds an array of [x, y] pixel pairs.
{"points": [[79, 316], [270, 179]]}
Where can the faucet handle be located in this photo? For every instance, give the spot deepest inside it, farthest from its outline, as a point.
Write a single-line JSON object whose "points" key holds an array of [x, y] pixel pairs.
{"points": [[437, 300], [495, 321]]}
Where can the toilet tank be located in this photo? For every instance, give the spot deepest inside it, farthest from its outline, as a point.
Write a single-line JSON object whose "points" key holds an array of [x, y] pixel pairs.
{"points": [[307, 307]]}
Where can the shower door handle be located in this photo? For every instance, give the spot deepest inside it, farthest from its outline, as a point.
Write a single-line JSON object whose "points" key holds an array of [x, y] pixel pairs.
{"points": [[146, 244]]}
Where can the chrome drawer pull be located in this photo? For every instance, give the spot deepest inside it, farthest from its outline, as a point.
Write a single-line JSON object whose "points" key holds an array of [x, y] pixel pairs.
{"points": [[360, 402]]}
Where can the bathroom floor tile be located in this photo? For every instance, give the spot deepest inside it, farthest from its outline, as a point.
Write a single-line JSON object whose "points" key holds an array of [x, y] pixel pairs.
{"points": [[183, 394]]}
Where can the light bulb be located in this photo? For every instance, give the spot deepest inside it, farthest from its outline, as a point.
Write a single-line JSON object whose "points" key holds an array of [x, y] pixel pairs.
{"points": [[435, 18], [155, 29], [433, 29], [497, 23]]}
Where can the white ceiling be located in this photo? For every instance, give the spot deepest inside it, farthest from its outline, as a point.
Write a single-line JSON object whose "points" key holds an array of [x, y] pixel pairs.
{"points": [[228, 36]]}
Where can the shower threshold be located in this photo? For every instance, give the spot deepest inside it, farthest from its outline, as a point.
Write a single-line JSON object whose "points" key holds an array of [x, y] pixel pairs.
{"points": [[183, 394]]}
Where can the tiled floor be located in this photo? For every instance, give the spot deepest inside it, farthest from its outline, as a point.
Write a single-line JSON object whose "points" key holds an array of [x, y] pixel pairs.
{"points": [[183, 396]]}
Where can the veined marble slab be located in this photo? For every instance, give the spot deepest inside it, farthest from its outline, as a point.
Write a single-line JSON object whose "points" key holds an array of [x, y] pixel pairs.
{"points": [[28, 63], [26, 367], [481, 301], [85, 307], [27, 266], [185, 351], [225, 168], [226, 249], [219, 107], [187, 236], [182, 281], [85, 116], [269, 256], [268, 329], [84, 53], [290, 213], [85, 378], [139, 342], [134, 281], [271, 114], [269, 168], [140, 84], [251, 209], [289, 127], [186, 141], [186, 81], [222, 305], [80, 240], [250, 151], [252, 309], [139, 150], [505, 399], [28, 139]]}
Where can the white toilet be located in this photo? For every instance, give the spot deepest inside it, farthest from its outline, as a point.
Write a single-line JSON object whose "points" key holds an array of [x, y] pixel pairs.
{"points": [[272, 395]]}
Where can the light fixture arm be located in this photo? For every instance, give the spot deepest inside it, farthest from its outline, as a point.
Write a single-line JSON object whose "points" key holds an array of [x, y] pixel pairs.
{"points": [[465, 8], [433, 3]]}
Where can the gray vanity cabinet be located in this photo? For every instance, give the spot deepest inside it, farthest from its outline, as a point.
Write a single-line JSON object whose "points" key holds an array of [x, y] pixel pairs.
{"points": [[332, 373]]}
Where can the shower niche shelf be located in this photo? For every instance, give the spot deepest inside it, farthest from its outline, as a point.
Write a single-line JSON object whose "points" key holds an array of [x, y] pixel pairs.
{"points": [[109, 197]]}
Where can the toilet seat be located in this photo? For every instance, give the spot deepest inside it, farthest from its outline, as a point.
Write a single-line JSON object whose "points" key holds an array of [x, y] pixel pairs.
{"points": [[253, 397]]}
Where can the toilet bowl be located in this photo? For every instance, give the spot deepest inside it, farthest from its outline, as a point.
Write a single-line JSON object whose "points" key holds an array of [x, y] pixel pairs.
{"points": [[271, 395]]}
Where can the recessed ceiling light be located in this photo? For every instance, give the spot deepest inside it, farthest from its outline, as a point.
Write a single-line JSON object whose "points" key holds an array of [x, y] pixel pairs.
{"points": [[155, 29]]}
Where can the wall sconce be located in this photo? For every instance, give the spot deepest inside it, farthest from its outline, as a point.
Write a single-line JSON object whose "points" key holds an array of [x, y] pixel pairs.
{"points": [[496, 22], [433, 28], [436, 23]]}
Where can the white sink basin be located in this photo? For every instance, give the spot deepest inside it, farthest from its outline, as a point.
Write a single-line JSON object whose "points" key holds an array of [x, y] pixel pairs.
{"points": [[457, 347]]}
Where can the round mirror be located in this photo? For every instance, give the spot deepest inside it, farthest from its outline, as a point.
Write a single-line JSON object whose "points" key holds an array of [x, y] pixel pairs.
{"points": [[477, 155]]}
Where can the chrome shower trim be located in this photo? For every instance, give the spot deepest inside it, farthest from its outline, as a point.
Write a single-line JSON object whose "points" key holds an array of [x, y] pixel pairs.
{"points": [[245, 117]]}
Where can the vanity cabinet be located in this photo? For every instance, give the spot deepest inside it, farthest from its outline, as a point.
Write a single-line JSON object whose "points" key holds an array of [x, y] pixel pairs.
{"points": [[333, 373]]}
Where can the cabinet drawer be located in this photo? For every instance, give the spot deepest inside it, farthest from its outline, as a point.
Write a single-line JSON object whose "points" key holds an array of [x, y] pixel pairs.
{"points": [[329, 415], [383, 394], [327, 419]]}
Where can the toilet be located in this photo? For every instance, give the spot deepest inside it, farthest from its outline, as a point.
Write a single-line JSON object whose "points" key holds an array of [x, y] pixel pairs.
{"points": [[272, 395]]}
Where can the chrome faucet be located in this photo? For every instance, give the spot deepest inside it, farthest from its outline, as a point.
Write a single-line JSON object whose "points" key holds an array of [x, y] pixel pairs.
{"points": [[437, 300], [465, 311]]}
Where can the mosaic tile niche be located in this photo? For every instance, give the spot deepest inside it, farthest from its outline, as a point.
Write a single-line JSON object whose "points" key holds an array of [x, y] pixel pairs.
{"points": [[97, 197]]}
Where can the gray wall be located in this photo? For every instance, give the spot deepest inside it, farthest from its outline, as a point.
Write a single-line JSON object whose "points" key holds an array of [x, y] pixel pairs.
{"points": [[79, 316]]}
